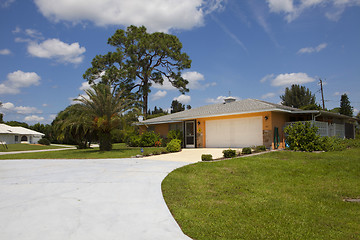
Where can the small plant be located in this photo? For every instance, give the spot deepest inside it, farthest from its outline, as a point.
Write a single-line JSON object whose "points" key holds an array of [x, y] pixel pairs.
{"points": [[229, 153], [260, 148], [246, 150], [175, 134], [174, 145], [158, 143], [44, 141], [156, 152], [206, 157]]}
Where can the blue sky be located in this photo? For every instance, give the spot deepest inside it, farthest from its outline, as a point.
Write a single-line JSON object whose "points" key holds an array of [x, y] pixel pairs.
{"points": [[252, 49]]}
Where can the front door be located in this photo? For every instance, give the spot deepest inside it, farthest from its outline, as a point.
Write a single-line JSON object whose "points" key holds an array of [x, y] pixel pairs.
{"points": [[190, 134]]}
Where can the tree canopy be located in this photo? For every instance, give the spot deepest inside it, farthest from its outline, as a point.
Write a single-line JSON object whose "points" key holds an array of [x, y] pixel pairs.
{"points": [[177, 106], [140, 60], [345, 107], [298, 96]]}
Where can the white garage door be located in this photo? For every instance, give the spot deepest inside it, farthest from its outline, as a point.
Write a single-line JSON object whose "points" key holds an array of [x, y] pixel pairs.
{"points": [[239, 132]]}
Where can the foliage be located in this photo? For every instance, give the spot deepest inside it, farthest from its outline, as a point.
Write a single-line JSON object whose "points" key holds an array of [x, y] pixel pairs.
{"points": [[297, 96], [302, 137], [72, 126], [311, 107], [260, 148], [206, 157], [175, 134], [103, 107], [174, 145], [229, 153], [149, 139], [345, 107], [177, 106], [246, 150], [44, 141], [140, 60], [268, 197], [22, 147]]}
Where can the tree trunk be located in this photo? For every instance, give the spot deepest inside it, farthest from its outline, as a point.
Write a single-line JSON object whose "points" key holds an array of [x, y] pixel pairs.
{"points": [[145, 105], [105, 141]]}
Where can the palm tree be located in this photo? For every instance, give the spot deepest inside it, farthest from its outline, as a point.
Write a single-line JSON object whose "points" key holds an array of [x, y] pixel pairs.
{"points": [[72, 125], [103, 106]]}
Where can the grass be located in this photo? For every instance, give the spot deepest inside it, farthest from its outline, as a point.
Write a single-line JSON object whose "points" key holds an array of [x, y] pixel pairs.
{"points": [[25, 147], [120, 150], [280, 195]]}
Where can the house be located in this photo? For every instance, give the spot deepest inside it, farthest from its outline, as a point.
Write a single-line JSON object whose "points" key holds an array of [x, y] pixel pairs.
{"points": [[245, 123], [11, 135]]}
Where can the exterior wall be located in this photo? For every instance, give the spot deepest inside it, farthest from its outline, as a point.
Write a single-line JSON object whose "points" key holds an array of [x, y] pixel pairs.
{"points": [[162, 129], [278, 120], [9, 139]]}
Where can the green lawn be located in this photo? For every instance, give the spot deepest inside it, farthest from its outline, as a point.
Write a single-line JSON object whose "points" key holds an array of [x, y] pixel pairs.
{"points": [[120, 150], [280, 195], [24, 147]]}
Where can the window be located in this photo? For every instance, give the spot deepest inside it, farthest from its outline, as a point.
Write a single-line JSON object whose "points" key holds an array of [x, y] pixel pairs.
{"points": [[16, 138], [175, 126]]}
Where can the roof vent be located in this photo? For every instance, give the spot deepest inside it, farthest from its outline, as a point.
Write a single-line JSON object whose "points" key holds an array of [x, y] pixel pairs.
{"points": [[229, 100]]}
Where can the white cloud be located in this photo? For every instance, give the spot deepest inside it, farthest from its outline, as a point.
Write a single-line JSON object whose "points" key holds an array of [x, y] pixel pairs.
{"points": [[293, 9], [219, 99], [267, 77], [195, 79], [84, 86], [287, 79], [268, 95], [340, 93], [312, 49], [17, 80], [10, 107], [356, 111], [33, 118], [159, 94], [58, 50], [5, 51], [156, 15], [184, 99]]}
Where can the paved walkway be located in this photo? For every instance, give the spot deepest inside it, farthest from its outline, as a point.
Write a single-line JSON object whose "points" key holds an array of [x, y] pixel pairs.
{"points": [[85, 199]]}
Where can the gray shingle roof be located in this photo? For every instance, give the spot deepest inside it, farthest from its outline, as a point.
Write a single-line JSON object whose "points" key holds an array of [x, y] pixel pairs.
{"points": [[221, 109]]}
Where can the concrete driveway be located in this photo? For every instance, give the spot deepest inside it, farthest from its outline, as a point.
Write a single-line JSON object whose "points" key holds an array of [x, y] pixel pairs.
{"points": [[85, 199]]}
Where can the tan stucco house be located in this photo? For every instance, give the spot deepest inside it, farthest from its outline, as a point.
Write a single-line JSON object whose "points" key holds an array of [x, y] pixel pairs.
{"points": [[245, 123]]}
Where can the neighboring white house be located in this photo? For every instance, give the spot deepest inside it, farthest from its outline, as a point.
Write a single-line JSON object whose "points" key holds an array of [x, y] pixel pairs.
{"points": [[12, 135]]}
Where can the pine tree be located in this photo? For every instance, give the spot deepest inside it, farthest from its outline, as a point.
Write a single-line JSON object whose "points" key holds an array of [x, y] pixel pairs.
{"points": [[345, 107]]}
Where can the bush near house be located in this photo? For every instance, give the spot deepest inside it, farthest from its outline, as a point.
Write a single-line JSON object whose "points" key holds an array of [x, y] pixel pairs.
{"points": [[175, 134], [303, 137], [260, 148], [147, 139], [174, 145], [229, 153], [246, 150], [44, 141]]}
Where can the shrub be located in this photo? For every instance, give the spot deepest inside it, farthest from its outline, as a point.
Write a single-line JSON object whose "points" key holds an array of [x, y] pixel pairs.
{"points": [[229, 153], [133, 141], [246, 150], [175, 134], [303, 137], [44, 141], [260, 148], [206, 157], [148, 139], [174, 145]]}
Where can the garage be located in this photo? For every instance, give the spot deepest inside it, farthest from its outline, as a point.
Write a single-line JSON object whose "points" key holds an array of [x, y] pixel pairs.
{"points": [[236, 132]]}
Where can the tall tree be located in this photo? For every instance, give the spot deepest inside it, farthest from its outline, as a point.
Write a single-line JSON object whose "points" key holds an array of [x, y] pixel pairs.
{"points": [[103, 105], [297, 96], [345, 107], [177, 106], [140, 60]]}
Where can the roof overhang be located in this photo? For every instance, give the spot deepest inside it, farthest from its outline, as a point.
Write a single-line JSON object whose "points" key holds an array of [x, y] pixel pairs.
{"points": [[181, 119]]}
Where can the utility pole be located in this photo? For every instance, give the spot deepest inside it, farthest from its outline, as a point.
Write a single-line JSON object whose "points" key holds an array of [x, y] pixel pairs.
{"points": [[322, 94]]}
